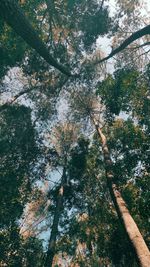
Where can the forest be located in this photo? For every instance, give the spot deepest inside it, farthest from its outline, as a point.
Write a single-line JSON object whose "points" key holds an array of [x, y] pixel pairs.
{"points": [[74, 133]]}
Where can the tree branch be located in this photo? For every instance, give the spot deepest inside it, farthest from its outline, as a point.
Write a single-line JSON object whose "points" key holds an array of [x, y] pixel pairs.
{"points": [[139, 46], [31, 88], [4, 106], [136, 35]]}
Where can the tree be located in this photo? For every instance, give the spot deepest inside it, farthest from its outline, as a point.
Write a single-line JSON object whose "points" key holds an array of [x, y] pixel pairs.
{"points": [[63, 138], [90, 108], [131, 228], [94, 236], [16, 251], [54, 229]]}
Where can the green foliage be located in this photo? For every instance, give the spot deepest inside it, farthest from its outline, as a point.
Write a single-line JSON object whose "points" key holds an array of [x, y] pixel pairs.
{"points": [[18, 151], [78, 156], [70, 30], [10, 243], [119, 248], [126, 142], [12, 48], [87, 18], [95, 21], [32, 246], [130, 153], [117, 90], [93, 227], [14, 251]]}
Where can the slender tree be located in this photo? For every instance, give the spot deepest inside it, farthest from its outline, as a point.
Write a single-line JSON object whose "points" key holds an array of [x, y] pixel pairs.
{"points": [[88, 105], [131, 228], [54, 230], [63, 138]]}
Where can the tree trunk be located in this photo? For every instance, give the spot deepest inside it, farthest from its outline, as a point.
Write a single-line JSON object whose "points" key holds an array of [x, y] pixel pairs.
{"points": [[14, 16], [135, 237], [54, 230]]}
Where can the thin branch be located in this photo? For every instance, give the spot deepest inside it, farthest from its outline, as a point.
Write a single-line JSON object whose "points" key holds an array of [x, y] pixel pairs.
{"points": [[47, 179], [4, 106], [35, 224], [58, 86], [136, 35], [139, 46], [102, 3], [146, 52]]}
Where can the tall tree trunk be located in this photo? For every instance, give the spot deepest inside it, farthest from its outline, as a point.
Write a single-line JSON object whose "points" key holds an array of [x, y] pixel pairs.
{"points": [[130, 226], [14, 16], [54, 230]]}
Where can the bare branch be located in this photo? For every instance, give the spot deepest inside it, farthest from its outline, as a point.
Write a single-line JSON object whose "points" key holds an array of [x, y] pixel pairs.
{"points": [[139, 46], [4, 106], [26, 91]]}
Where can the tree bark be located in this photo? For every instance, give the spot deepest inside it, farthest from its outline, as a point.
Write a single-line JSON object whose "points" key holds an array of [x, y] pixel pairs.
{"points": [[136, 35], [14, 16], [135, 237], [54, 230]]}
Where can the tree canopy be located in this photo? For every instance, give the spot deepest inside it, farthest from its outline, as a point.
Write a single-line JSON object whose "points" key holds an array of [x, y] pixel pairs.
{"points": [[74, 133]]}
